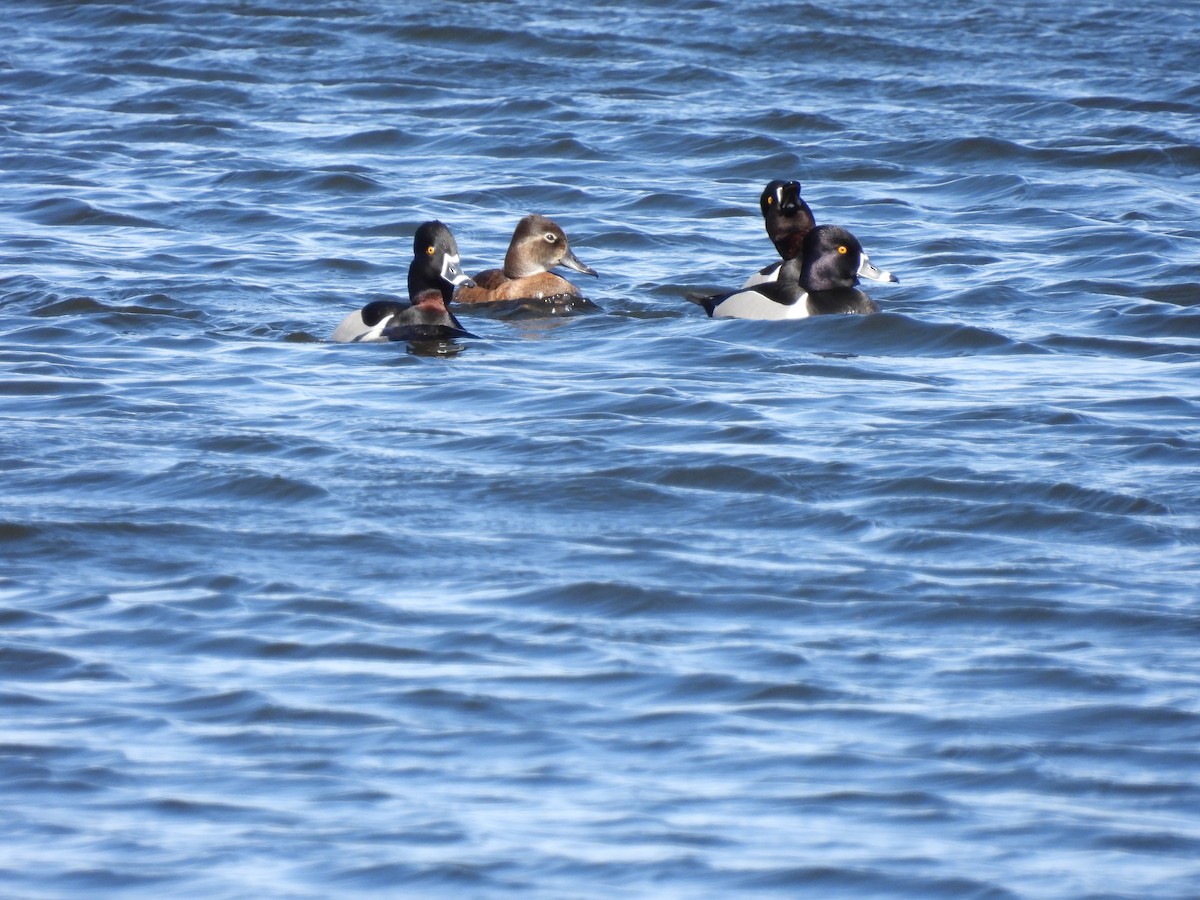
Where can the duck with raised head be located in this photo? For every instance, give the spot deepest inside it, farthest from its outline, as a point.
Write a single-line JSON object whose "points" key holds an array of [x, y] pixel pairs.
{"points": [[788, 221], [432, 276], [538, 245], [822, 280]]}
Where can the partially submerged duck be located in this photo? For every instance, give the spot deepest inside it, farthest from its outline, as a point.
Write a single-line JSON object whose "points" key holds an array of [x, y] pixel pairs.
{"points": [[822, 280], [538, 245], [433, 274]]}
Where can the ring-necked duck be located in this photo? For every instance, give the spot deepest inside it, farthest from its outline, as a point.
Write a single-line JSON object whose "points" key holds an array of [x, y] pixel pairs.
{"points": [[788, 220], [821, 280], [432, 276], [537, 246]]}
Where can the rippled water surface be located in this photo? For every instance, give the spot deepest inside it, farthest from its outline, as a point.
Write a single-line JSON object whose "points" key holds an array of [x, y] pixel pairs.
{"points": [[635, 602]]}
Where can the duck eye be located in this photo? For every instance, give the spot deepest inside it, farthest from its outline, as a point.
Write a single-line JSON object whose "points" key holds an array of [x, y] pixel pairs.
{"points": [[842, 250], [430, 250], [551, 237], [770, 201]]}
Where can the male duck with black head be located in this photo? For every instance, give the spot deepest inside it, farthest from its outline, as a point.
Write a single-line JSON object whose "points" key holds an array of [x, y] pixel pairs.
{"points": [[538, 245], [432, 276], [788, 220], [822, 280]]}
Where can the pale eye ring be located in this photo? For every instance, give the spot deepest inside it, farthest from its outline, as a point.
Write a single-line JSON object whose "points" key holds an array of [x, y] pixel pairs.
{"points": [[551, 237]]}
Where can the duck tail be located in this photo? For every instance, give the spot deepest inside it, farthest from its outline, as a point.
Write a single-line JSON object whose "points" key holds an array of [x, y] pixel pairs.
{"points": [[707, 301]]}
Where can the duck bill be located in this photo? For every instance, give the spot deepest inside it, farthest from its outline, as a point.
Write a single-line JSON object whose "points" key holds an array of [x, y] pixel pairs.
{"points": [[571, 261], [867, 269], [453, 273]]}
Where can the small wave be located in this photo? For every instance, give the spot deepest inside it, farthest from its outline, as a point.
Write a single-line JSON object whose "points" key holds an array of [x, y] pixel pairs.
{"points": [[1041, 674], [1179, 294], [896, 334], [105, 879], [156, 71], [189, 481], [1119, 347], [185, 99], [21, 664], [390, 139], [609, 599], [286, 715], [66, 84], [306, 181], [1111, 721], [186, 129], [63, 211], [418, 877], [118, 314], [865, 882]]}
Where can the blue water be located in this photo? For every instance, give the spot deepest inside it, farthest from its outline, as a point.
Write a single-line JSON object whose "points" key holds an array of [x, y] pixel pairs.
{"points": [[632, 603]]}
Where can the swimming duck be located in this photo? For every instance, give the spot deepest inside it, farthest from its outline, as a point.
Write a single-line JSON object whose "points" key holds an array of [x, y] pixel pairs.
{"points": [[823, 279], [788, 219], [432, 276], [537, 246]]}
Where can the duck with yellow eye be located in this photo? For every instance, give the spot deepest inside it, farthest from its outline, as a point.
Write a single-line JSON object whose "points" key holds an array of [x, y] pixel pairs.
{"points": [[822, 280], [788, 221], [432, 276]]}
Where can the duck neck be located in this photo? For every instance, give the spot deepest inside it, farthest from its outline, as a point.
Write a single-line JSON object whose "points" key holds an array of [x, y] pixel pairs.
{"points": [[519, 265], [790, 242], [792, 271]]}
